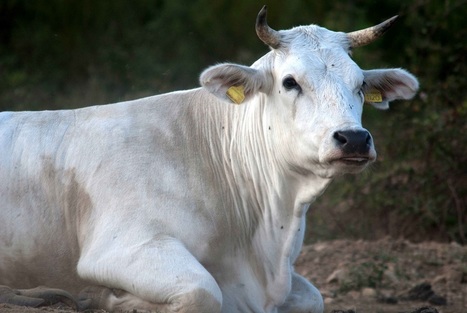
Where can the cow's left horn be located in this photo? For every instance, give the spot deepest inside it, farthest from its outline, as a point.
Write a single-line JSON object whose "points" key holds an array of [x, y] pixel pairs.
{"points": [[365, 36], [267, 35]]}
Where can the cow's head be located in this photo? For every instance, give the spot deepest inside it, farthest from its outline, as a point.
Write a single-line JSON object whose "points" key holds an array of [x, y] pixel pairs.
{"points": [[310, 83]]}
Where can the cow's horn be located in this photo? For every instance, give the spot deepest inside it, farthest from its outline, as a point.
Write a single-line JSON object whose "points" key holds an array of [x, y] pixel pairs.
{"points": [[365, 36], [268, 35]]}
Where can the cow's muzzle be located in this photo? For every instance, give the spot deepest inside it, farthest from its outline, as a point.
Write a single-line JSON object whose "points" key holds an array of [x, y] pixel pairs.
{"points": [[356, 147]]}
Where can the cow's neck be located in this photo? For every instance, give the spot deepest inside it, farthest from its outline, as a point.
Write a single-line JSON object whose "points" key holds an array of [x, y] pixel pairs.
{"points": [[265, 181], [269, 200]]}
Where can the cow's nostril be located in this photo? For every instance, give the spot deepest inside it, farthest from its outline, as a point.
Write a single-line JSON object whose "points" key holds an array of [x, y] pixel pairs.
{"points": [[340, 138], [368, 139]]}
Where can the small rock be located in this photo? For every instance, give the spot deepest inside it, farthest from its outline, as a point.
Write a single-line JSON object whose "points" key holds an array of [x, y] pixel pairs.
{"points": [[455, 275], [328, 300], [354, 294], [425, 310], [424, 292], [369, 292], [336, 276], [437, 300], [387, 296], [421, 291], [439, 279], [388, 299], [327, 293], [320, 246]]}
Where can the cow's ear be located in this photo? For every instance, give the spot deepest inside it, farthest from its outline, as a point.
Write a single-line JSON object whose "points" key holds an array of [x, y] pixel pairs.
{"points": [[384, 86], [234, 83]]}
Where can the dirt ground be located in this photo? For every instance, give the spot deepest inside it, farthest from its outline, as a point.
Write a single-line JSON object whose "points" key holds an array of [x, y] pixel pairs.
{"points": [[387, 276], [384, 276]]}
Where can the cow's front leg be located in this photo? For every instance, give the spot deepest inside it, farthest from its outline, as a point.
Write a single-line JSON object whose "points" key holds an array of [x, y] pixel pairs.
{"points": [[303, 298], [159, 276], [111, 299]]}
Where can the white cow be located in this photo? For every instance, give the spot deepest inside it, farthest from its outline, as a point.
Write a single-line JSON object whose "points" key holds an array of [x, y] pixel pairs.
{"points": [[186, 201]]}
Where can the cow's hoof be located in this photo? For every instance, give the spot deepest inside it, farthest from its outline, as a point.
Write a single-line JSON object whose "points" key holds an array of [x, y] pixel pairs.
{"points": [[36, 297], [94, 297]]}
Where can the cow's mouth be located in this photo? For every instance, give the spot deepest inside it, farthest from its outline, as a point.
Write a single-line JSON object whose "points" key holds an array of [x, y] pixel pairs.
{"points": [[353, 161]]}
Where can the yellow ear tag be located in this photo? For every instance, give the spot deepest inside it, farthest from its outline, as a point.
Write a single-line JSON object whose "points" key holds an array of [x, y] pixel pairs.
{"points": [[236, 94], [373, 96]]}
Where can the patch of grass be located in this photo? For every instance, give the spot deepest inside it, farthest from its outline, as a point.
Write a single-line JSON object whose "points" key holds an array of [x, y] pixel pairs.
{"points": [[366, 274]]}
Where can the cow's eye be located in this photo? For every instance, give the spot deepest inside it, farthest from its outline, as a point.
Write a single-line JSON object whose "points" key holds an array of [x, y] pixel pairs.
{"points": [[290, 83], [361, 91]]}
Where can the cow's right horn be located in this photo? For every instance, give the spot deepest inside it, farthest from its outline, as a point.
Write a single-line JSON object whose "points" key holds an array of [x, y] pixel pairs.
{"points": [[267, 35]]}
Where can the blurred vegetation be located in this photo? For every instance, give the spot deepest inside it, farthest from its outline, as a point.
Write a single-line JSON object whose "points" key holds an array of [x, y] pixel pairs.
{"points": [[418, 187], [58, 54]]}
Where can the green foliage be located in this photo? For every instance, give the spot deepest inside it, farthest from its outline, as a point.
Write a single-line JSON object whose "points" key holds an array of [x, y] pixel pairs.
{"points": [[66, 54], [367, 274]]}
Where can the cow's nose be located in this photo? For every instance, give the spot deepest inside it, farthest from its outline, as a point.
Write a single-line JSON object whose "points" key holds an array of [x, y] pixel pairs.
{"points": [[353, 141]]}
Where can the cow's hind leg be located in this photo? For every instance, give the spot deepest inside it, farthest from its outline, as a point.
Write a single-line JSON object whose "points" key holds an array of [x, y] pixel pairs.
{"points": [[39, 296], [160, 276]]}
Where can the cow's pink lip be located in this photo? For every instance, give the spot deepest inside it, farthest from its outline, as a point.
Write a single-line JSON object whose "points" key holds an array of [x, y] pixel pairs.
{"points": [[354, 161]]}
